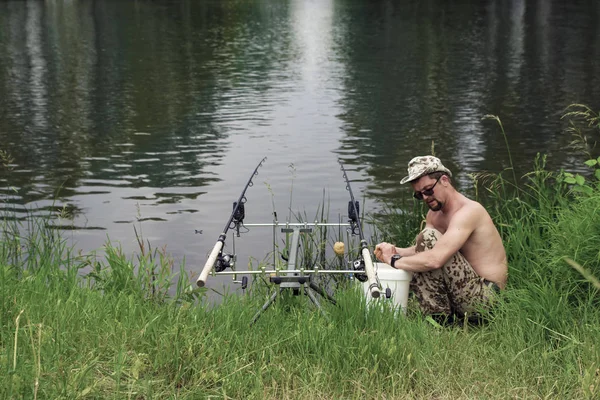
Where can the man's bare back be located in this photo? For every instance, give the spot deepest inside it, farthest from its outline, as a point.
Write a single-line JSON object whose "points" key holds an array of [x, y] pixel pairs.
{"points": [[483, 249]]}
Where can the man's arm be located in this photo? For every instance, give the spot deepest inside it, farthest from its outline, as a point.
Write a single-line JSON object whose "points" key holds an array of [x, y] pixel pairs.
{"points": [[460, 229], [384, 248], [406, 251]]}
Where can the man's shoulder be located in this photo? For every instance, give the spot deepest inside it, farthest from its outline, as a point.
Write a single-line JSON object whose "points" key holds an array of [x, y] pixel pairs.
{"points": [[470, 204], [475, 205], [470, 209]]}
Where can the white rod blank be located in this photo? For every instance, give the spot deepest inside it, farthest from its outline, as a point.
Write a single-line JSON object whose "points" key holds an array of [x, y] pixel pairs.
{"points": [[209, 264], [372, 277]]}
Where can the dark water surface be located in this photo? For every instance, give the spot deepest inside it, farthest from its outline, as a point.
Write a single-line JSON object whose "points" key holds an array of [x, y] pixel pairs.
{"points": [[158, 111]]}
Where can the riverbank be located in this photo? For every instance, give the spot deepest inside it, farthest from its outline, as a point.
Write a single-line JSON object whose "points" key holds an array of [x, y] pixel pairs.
{"points": [[118, 332]]}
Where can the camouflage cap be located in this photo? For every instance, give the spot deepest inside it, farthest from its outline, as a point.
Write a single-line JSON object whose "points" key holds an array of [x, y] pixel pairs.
{"points": [[419, 166]]}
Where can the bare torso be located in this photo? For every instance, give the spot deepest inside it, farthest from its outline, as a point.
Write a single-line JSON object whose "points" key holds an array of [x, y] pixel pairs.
{"points": [[483, 249]]}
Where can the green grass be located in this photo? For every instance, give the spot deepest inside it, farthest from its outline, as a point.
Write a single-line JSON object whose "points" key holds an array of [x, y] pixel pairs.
{"points": [[82, 343], [74, 326]]}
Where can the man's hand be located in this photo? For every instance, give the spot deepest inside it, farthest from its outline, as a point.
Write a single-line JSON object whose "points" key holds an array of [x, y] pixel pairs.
{"points": [[384, 252]]}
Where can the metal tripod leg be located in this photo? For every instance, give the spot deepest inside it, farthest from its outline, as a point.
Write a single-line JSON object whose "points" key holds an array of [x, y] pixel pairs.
{"points": [[294, 282], [322, 292], [265, 306], [313, 298]]}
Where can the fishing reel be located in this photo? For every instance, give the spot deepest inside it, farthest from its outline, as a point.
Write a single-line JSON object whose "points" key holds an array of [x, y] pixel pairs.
{"points": [[359, 265], [223, 262]]}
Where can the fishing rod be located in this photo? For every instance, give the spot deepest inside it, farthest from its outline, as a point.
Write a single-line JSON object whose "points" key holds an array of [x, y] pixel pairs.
{"points": [[366, 262], [235, 220]]}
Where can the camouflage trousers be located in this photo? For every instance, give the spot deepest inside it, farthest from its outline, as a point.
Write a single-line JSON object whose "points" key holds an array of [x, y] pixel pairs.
{"points": [[454, 289]]}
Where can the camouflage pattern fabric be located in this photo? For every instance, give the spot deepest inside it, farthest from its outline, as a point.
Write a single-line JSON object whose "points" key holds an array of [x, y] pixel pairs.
{"points": [[454, 289], [423, 165]]}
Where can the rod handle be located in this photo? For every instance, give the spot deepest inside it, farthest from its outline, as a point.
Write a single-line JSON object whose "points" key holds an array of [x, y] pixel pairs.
{"points": [[373, 285], [209, 264]]}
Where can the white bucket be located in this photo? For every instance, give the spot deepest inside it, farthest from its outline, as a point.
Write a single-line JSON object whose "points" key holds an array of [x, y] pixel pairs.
{"points": [[397, 280]]}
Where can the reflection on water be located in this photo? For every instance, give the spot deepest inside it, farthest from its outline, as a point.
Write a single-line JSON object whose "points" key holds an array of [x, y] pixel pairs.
{"points": [[119, 113]]}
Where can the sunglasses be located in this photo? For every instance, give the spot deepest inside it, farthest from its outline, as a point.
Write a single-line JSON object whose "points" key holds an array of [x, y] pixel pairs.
{"points": [[426, 192]]}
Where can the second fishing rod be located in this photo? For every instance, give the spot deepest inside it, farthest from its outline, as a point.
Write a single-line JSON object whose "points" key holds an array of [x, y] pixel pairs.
{"points": [[356, 228], [235, 220]]}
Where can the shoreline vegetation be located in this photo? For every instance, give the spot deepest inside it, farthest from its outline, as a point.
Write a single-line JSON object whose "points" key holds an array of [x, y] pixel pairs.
{"points": [[132, 328]]}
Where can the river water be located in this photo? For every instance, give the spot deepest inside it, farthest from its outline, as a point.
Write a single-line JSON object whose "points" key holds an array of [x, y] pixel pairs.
{"points": [[154, 113]]}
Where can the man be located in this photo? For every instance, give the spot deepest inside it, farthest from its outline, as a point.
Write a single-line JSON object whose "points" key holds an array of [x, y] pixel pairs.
{"points": [[458, 260]]}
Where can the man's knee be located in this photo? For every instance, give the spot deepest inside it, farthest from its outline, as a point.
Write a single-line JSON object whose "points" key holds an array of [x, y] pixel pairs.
{"points": [[426, 239]]}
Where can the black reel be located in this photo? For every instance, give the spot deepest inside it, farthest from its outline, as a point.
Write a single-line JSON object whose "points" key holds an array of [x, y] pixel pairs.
{"points": [[223, 262], [359, 265]]}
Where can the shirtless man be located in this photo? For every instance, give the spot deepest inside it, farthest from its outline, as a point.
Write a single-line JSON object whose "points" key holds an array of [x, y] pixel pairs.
{"points": [[458, 260]]}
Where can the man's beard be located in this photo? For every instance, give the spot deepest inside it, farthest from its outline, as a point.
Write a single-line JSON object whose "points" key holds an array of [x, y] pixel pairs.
{"points": [[435, 205]]}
